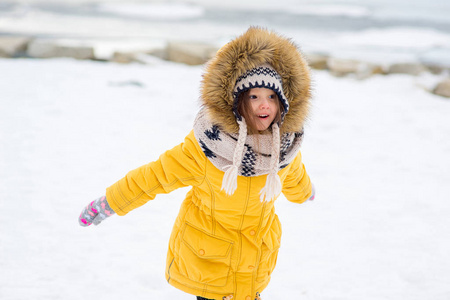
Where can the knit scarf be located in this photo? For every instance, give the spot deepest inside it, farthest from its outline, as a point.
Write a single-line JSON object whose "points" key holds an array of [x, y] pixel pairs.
{"points": [[256, 156]]}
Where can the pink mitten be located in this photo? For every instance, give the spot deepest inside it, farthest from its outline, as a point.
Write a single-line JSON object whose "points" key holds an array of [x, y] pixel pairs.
{"points": [[95, 212]]}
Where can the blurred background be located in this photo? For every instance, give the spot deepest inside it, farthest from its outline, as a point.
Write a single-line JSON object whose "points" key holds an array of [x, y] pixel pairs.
{"points": [[374, 30]]}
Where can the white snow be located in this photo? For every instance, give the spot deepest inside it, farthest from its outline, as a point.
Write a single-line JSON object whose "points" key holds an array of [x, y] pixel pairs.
{"points": [[392, 45], [353, 11], [398, 38], [377, 151], [163, 11]]}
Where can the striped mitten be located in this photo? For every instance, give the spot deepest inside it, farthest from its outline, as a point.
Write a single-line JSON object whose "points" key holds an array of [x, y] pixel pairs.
{"points": [[95, 212]]}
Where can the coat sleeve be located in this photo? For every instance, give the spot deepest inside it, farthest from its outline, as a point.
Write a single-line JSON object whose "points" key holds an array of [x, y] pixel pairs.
{"points": [[184, 165], [297, 186]]}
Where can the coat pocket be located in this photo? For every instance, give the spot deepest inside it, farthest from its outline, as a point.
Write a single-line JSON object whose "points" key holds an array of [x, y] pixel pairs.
{"points": [[204, 258], [268, 258]]}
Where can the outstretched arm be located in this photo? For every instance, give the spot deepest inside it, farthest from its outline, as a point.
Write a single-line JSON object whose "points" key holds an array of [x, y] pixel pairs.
{"points": [[181, 166]]}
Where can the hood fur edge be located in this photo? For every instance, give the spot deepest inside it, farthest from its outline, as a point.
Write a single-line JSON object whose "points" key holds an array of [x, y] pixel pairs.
{"points": [[253, 48]]}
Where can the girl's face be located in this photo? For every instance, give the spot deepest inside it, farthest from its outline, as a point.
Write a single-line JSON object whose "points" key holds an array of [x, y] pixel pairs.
{"points": [[264, 106]]}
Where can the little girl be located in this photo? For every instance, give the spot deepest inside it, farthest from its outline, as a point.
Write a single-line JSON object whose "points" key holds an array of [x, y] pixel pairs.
{"points": [[241, 154]]}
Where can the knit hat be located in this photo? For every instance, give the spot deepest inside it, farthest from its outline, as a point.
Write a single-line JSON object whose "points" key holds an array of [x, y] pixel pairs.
{"points": [[263, 76]]}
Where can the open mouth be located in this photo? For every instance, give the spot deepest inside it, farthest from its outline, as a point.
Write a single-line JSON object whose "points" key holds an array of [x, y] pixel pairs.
{"points": [[263, 116]]}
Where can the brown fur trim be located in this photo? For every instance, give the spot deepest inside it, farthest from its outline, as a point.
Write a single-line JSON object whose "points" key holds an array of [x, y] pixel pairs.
{"points": [[255, 47]]}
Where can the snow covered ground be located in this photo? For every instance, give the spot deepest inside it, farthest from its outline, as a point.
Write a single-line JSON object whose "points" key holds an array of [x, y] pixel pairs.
{"points": [[377, 150]]}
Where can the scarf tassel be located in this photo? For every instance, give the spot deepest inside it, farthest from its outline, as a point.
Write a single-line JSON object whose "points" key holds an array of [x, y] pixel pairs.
{"points": [[273, 183], [272, 188], [229, 181]]}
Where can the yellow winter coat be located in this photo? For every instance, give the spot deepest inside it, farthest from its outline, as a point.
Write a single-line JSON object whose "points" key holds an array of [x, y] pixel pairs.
{"points": [[225, 245], [220, 245]]}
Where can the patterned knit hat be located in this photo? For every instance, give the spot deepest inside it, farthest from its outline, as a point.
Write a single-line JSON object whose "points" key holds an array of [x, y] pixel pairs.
{"points": [[263, 76]]}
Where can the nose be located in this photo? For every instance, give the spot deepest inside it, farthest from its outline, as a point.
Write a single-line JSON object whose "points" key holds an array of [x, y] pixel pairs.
{"points": [[264, 104]]}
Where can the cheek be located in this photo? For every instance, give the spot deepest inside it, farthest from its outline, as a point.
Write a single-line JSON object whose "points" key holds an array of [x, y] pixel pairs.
{"points": [[254, 107], [274, 106]]}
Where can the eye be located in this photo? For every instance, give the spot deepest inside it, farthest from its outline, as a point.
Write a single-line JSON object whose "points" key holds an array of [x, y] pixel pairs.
{"points": [[252, 97]]}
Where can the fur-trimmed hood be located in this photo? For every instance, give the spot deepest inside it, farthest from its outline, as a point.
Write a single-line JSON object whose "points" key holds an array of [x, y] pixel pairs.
{"points": [[252, 49]]}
